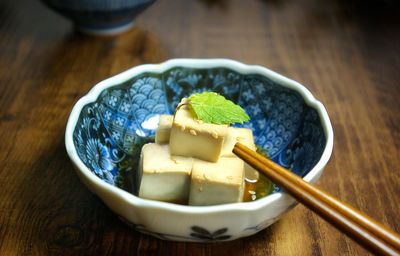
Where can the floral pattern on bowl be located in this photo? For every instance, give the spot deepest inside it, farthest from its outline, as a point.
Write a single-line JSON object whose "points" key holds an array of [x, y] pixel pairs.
{"points": [[110, 130]]}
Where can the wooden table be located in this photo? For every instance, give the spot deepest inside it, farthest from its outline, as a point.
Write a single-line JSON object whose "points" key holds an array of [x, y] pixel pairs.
{"points": [[348, 56]]}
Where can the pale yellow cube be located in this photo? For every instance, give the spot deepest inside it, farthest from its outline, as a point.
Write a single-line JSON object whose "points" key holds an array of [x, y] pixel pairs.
{"points": [[217, 183], [245, 137], [193, 138], [164, 177], [234, 135], [164, 129]]}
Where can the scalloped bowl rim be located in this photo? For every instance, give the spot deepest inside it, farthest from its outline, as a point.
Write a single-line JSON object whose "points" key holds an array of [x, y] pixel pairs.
{"points": [[239, 67]]}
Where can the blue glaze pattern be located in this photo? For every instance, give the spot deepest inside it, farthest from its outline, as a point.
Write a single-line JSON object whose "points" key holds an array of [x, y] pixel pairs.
{"points": [[195, 233], [200, 234], [94, 146]]}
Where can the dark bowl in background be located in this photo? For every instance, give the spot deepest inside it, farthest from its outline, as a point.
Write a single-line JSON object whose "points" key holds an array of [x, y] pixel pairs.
{"points": [[100, 17]]}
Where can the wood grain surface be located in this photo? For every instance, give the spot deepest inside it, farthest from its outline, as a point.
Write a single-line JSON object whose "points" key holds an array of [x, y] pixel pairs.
{"points": [[346, 53]]}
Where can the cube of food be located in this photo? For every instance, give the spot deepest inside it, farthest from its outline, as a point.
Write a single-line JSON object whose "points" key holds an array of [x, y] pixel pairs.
{"points": [[164, 177], [234, 135], [251, 174], [244, 136], [217, 183], [164, 129], [194, 138]]}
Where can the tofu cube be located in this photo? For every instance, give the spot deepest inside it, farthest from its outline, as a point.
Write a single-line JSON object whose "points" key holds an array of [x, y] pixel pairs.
{"points": [[251, 174], [164, 129], [244, 136], [234, 135], [217, 183], [193, 138], [164, 177]]}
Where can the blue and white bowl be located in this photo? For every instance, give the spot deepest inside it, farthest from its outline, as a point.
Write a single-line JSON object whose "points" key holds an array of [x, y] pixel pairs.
{"points": [[108, 126], [100, 17]]}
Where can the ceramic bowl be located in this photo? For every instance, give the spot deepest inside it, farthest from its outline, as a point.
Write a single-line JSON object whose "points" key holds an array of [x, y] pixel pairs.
{"points": [[100, 17], [108, 126]]}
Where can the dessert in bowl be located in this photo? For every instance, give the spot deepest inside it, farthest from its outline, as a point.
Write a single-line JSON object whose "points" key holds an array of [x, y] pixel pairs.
{"points": [[108, 127]]}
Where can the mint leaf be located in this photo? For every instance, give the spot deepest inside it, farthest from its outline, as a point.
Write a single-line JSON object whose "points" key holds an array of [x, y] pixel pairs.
{"points": [[211, 107]]}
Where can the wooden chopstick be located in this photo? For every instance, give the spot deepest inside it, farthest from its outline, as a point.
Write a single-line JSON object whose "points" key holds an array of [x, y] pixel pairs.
{"points": [[366, 231]]}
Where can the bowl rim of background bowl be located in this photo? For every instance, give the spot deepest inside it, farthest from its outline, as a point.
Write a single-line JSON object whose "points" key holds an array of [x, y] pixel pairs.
{"points": [[236, 66]]}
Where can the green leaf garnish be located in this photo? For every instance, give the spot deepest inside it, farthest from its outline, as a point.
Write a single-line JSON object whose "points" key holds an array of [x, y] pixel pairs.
{"points": [[211, 107]]}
